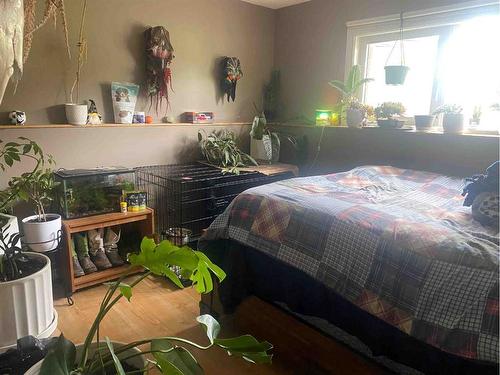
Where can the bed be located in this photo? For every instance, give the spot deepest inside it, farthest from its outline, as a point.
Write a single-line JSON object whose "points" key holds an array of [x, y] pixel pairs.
{"points": [[390, 255]]}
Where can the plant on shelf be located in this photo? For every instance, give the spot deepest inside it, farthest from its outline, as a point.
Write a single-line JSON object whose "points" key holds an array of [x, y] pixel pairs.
{"points": [[452, 117], [355, 112], [170, 355], [264, 144], [350, 90], [220, 149], [36, 187], [388, 115], [272, 97]]}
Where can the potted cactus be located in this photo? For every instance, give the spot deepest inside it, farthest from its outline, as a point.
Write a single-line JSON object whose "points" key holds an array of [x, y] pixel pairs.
{"points": [[388, 115], [452, 117]]}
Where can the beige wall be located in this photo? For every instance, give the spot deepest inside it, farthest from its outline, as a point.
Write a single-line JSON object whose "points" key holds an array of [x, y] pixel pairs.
{"points": [[201, 31], [311, 43]]}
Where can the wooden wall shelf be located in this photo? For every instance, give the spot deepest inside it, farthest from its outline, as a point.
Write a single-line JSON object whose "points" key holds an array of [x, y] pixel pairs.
{"points": [[144, 221], [126, 126]]}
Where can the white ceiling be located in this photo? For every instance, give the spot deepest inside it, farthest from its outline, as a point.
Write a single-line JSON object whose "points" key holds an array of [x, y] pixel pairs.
{"points": [[275, 4]]}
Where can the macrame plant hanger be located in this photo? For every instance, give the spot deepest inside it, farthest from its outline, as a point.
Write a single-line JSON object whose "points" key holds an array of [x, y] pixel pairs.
{"points": [[396, 74]]}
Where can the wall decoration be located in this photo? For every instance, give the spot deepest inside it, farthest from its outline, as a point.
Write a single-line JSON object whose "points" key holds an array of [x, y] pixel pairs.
{"points": [[17, 117], [124, 96], [160, 54], [93, 117], [231, 74], [11, 42]]}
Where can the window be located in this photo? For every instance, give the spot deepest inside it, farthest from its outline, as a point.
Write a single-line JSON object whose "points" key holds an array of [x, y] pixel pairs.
{"points": [[453, 54]]}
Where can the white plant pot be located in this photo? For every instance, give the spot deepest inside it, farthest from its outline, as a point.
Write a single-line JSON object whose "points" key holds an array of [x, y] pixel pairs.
{"points": [[261, 149], [44, 235], [354, 118], [27, 306], [453, 122], [137, 362], [76, 114], [10, 228]]}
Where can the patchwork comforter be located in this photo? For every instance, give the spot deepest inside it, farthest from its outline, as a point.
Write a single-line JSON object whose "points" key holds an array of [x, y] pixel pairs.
{"points": [[396, 243]]}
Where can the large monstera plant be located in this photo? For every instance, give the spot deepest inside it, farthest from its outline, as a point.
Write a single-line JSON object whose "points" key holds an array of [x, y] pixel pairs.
{"points": [[171, 355]]}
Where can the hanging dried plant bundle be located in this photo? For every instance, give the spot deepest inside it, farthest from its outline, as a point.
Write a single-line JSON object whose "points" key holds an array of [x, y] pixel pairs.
{"points": [[82, 56], [53, 8], [160, 54]]}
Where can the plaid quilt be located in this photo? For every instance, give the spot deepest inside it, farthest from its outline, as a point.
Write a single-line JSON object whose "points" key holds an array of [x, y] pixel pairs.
{"points": [[396, 243]]}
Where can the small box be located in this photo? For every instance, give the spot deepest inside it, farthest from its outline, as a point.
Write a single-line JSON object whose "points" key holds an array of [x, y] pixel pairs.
{"points": [[199, 117], [136, 201]]}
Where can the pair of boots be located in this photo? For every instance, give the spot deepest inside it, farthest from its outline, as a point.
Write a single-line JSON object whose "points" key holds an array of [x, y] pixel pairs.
{"points": [[95, 250]]}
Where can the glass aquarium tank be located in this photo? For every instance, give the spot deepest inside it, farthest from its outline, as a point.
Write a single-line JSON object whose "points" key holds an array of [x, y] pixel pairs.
{"points": [[87, 192]]}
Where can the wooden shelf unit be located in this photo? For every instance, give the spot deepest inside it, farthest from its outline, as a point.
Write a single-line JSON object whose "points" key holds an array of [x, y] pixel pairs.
{"points": [[145, 224]]}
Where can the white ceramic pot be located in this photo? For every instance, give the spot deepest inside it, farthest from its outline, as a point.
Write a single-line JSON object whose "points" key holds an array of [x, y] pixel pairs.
{"points": [[354, 118], [10, 228], [76, 114], [27, 307], [453, 122], [261, 149], [44, 235], [138, 362]]}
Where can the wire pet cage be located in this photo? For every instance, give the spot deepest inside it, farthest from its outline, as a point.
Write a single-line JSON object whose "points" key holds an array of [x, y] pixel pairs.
{"points": [[191, 196]]}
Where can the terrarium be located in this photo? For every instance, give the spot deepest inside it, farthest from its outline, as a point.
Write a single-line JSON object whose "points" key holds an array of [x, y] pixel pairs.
{"points": [[87, 192]]}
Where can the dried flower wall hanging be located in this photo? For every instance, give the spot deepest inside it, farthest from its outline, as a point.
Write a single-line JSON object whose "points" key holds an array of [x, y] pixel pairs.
{"points": [[160, 54], [231, 74]]}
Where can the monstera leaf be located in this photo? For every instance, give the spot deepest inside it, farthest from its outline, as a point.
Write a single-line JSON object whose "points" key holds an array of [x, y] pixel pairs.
{"points": [[158, 258]]}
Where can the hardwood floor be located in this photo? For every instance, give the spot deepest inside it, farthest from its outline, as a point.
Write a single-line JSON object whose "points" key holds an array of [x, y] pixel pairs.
{"points": [[157, 308], [160, 309]]}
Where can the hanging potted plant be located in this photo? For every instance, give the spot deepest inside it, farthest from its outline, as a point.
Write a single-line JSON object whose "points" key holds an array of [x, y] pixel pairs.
{"points": [[76, 112], [22, 274], [388, 115], [169, 355], [396, 74], [452, 118], [350, 108]]}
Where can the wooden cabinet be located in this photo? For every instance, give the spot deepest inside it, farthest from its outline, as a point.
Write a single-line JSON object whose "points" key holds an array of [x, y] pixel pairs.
{"points": [[142, 222]]}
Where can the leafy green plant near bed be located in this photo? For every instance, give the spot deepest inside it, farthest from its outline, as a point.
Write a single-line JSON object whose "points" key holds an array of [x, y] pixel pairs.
{"points": [[220, 148], [170, 354]]}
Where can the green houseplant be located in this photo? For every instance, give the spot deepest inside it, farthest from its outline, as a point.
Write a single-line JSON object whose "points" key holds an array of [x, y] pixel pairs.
{"points": [[22, 273], [220, 149], [264, 144], [350, 92], [387, 115], [170, 354], [272, 97], [452, 117]]}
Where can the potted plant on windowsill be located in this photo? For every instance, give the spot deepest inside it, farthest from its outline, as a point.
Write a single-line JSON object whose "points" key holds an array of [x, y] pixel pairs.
{"points": [[388, 115], [424, 122], [452, 118], [170, 355], [350, 91], [22, 274]]}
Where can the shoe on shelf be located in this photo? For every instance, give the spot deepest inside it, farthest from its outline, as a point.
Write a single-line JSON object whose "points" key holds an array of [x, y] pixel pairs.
{"points": [[111, 239], [77, 268], [87, 265], [96, 249]]}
